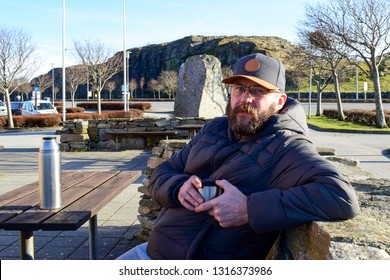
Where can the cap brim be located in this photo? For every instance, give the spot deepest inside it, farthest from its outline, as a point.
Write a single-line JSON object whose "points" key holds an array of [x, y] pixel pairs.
{"points": [[260, 82]]}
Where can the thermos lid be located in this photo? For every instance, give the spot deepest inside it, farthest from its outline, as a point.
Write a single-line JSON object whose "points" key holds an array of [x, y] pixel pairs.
{"points": [[49, 143]]}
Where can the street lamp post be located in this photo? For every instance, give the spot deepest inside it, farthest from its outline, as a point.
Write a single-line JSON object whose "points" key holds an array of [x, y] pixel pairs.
{"points": [[63, 64], [357, 79], [87, 83], [124, 59]]}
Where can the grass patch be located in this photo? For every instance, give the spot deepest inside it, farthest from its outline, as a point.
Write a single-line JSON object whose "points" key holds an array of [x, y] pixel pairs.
{"points": [[323, 122]]}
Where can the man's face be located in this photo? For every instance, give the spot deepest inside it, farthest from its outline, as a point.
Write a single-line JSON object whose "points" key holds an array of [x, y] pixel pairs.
{"points": [[248, 112]]}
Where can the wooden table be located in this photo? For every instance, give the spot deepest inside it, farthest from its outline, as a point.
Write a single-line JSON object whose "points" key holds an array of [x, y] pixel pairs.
{"points": [[84, 194]]}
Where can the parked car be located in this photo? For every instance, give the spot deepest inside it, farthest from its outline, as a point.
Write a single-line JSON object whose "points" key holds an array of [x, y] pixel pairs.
{"points": [[16, 108], [43, 107], [3, 109]]}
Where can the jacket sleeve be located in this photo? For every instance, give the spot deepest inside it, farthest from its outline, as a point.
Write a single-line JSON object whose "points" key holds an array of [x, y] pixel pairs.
{"points": [[305, 187], [169, 176]]}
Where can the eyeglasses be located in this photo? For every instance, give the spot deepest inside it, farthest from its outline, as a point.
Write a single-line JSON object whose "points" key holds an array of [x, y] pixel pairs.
{"points": [[256, 92]]}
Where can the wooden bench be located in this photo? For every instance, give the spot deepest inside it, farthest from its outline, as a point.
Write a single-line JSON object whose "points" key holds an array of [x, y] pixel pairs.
{"points": [[146, 133]]}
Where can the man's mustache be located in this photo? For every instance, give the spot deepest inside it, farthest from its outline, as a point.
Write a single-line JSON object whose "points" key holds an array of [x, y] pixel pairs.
{"points": [[245, 108]]}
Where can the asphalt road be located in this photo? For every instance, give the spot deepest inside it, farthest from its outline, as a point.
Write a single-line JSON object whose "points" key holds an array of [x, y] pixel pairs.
{"points": [[371, 150]]}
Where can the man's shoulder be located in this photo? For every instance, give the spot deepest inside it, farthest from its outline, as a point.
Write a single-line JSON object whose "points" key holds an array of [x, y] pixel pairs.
{"points": [[219, 122], [219, 125]]}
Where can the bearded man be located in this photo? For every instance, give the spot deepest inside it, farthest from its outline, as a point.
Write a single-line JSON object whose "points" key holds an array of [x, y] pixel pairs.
{"points": [[269, 175]]}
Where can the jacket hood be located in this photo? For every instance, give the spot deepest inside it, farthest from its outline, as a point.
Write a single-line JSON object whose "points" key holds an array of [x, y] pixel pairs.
{"points": [[291, 117]]}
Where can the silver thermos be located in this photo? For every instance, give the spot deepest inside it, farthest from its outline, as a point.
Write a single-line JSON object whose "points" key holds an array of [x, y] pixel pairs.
{"points": [[49, 172]]}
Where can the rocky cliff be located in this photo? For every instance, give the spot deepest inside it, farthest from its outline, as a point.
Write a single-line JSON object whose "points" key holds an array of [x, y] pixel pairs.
{"points": [[149, 61]]}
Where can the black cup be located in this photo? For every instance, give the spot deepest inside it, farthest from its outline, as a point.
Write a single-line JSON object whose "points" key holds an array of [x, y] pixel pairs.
{"points": [[209, 190]]}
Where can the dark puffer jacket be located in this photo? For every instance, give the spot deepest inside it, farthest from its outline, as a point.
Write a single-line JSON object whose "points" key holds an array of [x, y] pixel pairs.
{"points": [[286, 181]]}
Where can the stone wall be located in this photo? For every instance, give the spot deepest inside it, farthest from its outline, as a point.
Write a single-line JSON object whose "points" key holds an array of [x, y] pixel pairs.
{"points": [[149, 208], [364, 237], [84, 135]]}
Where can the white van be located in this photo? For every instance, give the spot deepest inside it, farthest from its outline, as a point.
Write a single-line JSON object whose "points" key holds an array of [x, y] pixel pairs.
{"points": [[3, 109], [43, 107]]}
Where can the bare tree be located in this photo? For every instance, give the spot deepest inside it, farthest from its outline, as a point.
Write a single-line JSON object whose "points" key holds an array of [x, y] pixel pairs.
{"points": [[308, 64], [17, 60], [74, 77], [155, 86], [132, 87], [101, 65], [43, 82], [364, 28], [168, 81], [110, 86], [24, 89], [141, 85], [326, 49]]}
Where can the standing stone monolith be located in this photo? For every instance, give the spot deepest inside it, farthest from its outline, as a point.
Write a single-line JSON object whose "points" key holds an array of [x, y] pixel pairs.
{"points": [[200, 91]]}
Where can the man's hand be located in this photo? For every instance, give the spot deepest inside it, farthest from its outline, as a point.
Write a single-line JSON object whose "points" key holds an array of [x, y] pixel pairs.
{"points": [[229, 209], [188, 194]]}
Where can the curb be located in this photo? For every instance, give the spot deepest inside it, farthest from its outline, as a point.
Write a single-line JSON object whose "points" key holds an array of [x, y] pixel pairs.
{"points": [[314, 127]]}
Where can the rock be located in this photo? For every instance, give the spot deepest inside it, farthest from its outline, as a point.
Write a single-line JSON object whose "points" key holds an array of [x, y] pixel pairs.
{"points": [[106, 145], [200, 91], [133, 143], [74, 138], [326, 151], [153, 162], [365, 237]]}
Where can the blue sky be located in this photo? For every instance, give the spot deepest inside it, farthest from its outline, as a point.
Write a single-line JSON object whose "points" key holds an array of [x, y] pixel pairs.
{"points": [[147, 21]]}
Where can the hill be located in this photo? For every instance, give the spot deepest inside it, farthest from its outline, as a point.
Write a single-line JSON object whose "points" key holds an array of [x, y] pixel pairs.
{"points": [[150, 60]]}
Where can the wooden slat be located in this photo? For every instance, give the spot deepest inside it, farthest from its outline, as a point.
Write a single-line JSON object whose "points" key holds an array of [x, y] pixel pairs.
{"points": [[79, 212], [32, 218], [26, 190]]}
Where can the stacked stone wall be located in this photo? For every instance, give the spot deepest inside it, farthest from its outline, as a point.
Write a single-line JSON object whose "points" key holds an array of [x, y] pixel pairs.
{"points": [[84, 135], [149, 209]]}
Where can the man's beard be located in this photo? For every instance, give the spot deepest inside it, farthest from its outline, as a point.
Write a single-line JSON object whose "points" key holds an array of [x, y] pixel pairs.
{"points": [[254, 124]]}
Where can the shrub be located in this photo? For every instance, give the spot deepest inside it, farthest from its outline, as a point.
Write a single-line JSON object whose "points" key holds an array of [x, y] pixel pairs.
{"points": [[51, 120], [3, 121], [75, 110], [48, 120], [132, 113], [357, 116], [113, 105], [140, 106], [71, 109]]}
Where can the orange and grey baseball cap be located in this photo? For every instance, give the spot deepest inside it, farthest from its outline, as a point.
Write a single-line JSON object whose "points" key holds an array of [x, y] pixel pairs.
{"points": [[264, 70]]}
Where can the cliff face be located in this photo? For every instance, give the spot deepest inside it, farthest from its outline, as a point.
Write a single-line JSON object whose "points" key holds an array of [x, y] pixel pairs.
{"points": [[150, 60]]}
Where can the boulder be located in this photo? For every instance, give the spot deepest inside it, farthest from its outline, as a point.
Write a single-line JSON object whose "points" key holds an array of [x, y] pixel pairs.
{"points": [[200, 91]]}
